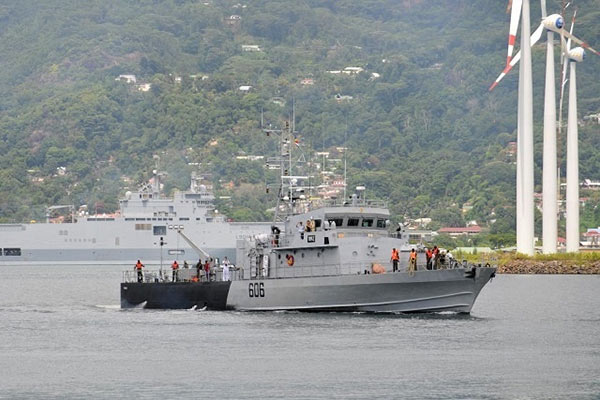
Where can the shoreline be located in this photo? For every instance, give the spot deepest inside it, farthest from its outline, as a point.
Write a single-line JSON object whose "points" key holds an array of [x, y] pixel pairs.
{"points": [[563, 267]]}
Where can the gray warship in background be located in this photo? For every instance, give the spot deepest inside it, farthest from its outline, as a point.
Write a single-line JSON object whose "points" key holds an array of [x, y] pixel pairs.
{"points": [[342, 264], [147, 227]]}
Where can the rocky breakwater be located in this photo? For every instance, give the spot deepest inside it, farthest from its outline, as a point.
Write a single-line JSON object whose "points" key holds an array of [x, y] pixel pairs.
{"points": [[549, 267]]}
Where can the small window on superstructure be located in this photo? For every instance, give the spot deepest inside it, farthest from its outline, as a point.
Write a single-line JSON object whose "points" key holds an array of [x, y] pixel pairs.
{"points": [[381, 223], [336, 222], [353, 221], [317, 223], [367, 222]]}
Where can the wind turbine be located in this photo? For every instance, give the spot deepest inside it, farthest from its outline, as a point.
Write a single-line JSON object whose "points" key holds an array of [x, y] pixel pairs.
{"points": [[575, 55], [552, 23], [524, 215]]}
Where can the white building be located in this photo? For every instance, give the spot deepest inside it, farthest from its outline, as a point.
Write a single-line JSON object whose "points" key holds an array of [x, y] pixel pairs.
{"points": [[127, 78]]}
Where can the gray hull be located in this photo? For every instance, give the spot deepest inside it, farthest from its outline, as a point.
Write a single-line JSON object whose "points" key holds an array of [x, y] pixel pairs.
{"points": [[423, 291]]}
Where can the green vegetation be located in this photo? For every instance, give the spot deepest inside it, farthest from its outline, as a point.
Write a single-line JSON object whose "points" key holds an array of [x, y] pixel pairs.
{"points": [[424, 134], [502, 258]]}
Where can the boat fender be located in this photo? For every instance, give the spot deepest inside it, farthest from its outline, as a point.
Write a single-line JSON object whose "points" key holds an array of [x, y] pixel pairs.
{"points": [[290, 259]]}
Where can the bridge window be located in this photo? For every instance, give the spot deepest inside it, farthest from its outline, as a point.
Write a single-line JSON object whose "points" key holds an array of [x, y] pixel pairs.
{"points": [[367, 222], [336, 221], [352, 221], [381, 223], [160, 230]]}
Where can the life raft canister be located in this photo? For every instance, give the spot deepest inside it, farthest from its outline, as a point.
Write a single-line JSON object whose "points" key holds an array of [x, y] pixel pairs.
{"points": [[290, 259]]}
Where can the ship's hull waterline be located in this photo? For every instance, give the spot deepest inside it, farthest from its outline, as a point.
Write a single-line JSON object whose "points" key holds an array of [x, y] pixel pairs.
{"points": [[423, 291]]}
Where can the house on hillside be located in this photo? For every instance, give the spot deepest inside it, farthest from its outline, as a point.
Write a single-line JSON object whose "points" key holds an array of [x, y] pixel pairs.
{"points": [[460, 231], [144, 87], [251, 47], [127, 78], [245, 88], [589, 184], [352, 70], [340, 98]]}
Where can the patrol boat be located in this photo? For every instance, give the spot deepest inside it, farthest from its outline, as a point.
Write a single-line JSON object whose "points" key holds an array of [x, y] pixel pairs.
{"points": [[341, 262]]}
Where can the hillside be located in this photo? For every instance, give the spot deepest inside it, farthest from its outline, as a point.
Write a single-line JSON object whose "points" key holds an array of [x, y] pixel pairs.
{"points": [[423, 131]]}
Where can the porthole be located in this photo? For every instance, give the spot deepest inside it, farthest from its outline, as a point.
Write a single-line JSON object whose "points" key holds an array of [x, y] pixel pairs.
{"points": [[355, 253]]}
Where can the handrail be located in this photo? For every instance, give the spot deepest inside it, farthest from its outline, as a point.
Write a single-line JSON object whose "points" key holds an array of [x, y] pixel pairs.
{"points": [[273, 272]]}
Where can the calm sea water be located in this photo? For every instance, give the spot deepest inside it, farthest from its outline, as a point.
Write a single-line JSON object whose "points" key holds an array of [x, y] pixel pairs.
{"points": [[63, 335]]}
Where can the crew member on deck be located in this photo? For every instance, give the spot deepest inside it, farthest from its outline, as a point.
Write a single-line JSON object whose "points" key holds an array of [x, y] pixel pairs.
{"points": [[300, 228], [175, 268], [412, 260], [199, 268], [429, 256], [138, 267], [395, 257], [207, 270], [226, 276], [436, 257]]}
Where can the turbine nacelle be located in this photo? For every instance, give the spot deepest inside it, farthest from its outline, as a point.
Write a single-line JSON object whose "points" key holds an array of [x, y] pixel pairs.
{"points": [[577, 54], [554, 22]]}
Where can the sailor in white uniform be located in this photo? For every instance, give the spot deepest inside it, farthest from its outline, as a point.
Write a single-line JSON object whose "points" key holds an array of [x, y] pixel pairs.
{"points": [[226, 269]]}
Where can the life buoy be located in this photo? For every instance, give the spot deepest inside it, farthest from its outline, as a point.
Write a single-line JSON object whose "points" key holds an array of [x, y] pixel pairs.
{"points": [[290, 259]]}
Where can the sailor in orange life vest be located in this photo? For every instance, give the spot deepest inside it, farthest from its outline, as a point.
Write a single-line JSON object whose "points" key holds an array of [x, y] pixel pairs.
{"points": [[412, 260], [175, 268], [395, 258], [138, 267]]}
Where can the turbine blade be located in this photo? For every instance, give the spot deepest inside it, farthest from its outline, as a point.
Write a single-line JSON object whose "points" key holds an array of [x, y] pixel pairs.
{"points": [[515, 16], [580, 42], [571, 31], [544, 13], [535, 37]]}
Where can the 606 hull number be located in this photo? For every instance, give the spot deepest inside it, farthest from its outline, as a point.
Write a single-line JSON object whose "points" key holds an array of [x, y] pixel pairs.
{"points": [[256, 289]]}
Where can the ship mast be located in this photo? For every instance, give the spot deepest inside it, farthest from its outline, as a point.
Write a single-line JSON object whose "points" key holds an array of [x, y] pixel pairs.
{"points": [[291, 189]]}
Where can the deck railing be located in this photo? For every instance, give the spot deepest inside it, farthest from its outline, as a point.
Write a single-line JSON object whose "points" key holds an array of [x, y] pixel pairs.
{"points": [[277, 272]]}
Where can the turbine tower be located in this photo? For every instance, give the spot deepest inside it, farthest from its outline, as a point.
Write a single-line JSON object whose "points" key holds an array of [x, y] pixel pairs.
{"points": [[525, 141], [549, 173], [576, 55]]}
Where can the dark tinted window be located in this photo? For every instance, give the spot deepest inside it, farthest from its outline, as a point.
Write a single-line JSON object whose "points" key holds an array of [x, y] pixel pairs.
{"points": [[12, 252], [381, 223], [367, 222], [160, 230], [352, 221], [337, 221]]}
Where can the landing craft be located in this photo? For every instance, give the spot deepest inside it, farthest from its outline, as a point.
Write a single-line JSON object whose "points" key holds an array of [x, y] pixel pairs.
{"points": [[145, 227]]}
